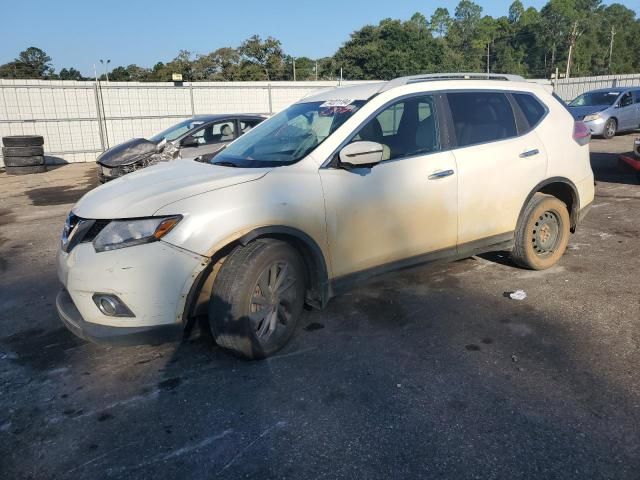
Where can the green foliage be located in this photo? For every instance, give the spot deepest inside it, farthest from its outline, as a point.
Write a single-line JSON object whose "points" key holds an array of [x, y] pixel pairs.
{"points": [[524, 41], [70, 74], [31, 63]]}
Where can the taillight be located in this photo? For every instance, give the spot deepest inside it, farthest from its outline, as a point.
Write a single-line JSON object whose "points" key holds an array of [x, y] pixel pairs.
{"points": [[581, 133]]}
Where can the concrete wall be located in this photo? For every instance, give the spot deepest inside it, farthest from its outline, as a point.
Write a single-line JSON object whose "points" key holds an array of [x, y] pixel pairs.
{"points": [[80, 119], [570, 88]]}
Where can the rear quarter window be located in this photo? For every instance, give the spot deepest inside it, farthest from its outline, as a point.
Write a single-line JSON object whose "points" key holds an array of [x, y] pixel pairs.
{"points": [[531, 107]]}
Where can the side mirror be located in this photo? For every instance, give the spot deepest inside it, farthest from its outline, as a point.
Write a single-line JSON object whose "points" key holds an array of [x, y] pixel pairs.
{"points": [[189, 141], [364, 153]]}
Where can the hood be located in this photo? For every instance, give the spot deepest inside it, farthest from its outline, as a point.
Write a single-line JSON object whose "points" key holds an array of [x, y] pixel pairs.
{"points": [[580, 112], [128, 152], [144, 192]]}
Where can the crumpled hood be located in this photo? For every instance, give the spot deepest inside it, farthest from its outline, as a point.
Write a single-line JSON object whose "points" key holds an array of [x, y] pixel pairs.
{"points": [[128, 152], [580, 112], [144, 192]]}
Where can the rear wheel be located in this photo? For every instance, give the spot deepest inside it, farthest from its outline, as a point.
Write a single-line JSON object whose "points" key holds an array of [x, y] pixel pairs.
{"points": [[257, 298], [610, 128], [543, 233]]}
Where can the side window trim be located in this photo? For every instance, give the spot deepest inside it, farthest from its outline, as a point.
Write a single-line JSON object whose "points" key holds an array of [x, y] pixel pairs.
{"points": [[522, 124], [444, 120], [332, 160]]}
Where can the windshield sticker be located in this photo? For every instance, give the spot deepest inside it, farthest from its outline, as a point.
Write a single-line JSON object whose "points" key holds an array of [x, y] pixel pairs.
{"points": [[336, 103], [331, 111]]}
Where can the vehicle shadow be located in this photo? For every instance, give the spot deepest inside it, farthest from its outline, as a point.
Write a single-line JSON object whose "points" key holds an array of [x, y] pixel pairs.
{"points": [[607, 167]]}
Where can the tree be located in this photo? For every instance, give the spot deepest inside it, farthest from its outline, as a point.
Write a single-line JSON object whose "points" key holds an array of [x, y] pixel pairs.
{"points": [[516, 10], [387, 50], [265, 55], [31, 63], [70, 74], [440, 21], [463, 34]]}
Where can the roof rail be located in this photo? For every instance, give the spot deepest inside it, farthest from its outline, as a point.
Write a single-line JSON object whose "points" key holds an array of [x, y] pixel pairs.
{"points": [[430, 77]]}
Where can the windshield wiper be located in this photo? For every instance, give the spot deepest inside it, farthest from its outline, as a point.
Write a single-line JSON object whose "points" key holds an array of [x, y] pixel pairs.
{"points": [[225, 163]]}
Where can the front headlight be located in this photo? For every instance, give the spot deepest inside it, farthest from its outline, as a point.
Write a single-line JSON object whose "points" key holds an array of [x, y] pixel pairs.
{"points": [[592, 117], [127, 233]]}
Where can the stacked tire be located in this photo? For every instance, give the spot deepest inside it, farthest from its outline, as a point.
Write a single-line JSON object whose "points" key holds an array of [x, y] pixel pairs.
{"points": [[23, 154]]}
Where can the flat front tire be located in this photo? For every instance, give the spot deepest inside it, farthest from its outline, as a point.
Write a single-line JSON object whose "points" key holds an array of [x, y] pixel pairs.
{"points": [[542, 234], [257, 298]]}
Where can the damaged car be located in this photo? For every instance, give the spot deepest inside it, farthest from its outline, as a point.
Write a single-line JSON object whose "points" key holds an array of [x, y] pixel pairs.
{"points": [[195, 137], [339, 187]]}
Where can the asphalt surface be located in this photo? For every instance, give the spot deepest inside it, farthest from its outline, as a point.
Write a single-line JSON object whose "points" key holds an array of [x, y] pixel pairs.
{"points": [[427, 373]]}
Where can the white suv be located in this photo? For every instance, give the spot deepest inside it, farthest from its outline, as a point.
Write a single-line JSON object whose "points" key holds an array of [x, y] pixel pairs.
{"points": [[343, 185]]}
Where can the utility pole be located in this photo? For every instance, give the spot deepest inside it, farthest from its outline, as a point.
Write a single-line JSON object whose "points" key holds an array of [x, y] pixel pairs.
{"points": [[294, 69], [488, 58], [573, 37], [613, 34], [316, 70]]}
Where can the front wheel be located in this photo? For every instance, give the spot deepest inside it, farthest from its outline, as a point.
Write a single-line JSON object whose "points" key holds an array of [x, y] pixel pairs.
{"points": [[542, 234], [257, 298], [610, 128]]}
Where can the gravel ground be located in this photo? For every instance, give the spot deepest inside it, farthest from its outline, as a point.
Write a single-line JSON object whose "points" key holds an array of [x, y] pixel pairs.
{"points": [[428, 373]]}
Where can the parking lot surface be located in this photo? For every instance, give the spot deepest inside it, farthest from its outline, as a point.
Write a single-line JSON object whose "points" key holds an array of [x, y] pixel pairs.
{"points": [[432, 372]]}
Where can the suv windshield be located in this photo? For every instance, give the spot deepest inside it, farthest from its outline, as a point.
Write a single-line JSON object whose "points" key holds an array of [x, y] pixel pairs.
{"points": [[176, 131], [288, 136], [593, 99]]}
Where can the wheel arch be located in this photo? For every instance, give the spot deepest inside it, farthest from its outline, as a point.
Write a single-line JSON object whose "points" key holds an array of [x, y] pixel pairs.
{"points": [[563, 189], [318, 292]]}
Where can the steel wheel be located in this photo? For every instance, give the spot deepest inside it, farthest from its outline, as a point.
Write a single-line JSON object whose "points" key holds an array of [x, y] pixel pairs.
{"points": [[545, 234], [542, 233], [273, 296]]}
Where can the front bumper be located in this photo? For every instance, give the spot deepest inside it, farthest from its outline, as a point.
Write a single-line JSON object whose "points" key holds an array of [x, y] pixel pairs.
{"points": [[596, 126], [97, 333], [153, 280]]}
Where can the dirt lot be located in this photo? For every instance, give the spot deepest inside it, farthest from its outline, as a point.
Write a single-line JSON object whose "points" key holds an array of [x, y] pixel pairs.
{"points": [[429, 373]]}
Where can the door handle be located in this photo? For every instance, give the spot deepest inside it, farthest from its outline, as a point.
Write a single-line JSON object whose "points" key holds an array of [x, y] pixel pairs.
{"points": [[440, 174], [530, 153]]}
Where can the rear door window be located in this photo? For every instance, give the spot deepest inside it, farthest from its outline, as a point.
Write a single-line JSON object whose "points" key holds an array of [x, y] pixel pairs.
{"points": [[246, 125], [215, 133], [480, 117], [531, 108]]}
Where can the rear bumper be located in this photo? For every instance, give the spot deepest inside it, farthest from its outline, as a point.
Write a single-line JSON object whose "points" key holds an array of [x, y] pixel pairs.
{"points": [[72, 319]]}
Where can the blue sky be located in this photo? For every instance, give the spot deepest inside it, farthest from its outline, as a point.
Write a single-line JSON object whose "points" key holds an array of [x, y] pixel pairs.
{"points": [[77, 33]]}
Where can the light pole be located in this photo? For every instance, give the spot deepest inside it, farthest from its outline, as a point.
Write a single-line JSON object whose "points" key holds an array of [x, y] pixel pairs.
{"points": [[106, 68]]}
